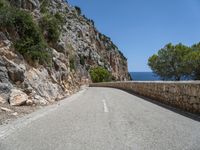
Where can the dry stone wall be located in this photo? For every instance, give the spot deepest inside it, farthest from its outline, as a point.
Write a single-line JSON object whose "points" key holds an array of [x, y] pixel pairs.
{"points": [[183, 95]]}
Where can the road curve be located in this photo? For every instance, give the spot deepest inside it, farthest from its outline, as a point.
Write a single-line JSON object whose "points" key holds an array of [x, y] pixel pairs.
{"points": [[102, 119]]}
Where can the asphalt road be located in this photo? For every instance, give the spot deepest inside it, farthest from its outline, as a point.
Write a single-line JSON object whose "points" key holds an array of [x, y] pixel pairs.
{"points": [[102, 119]]}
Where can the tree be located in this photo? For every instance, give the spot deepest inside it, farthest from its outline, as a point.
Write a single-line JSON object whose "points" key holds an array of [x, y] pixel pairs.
{"points": [[100, 74], [193, 62], [170, 62]]}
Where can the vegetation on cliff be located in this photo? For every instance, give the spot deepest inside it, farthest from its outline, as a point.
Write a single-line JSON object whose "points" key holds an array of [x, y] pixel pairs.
{"points": [[38, 28], [24, 31], [174, 62], [51, 26], [99, 74]]}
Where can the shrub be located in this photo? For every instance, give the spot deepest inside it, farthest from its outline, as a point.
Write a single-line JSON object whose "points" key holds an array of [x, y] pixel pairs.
{"points": [[30, 42], [72, 63], [122, 55], [100, 74], [37, 52], [78, 9], [44, 6], [82, 60], [92, 21], [60, 18], [4, 3], [51, 25]]}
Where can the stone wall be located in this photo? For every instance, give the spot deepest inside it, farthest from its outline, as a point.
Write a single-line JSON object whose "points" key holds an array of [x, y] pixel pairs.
{"points": [[184, 95]]}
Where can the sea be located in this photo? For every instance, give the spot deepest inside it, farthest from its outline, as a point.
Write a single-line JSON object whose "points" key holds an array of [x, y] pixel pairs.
{"points": [[144, 76]]}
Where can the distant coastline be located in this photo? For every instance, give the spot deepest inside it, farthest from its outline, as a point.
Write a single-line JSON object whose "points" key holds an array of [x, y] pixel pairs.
{"points": [[144, 76]]}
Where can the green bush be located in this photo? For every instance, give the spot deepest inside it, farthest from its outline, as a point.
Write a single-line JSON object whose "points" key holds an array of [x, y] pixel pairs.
{"points": [[44, 6], [51, 25], [82, 60], [60, 18], [72, 63], [29, 42], [78, 9], [100, 74], [4, 3]]}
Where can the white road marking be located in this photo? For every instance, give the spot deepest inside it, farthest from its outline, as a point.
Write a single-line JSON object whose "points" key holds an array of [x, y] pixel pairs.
{"points": [[105, 106]]}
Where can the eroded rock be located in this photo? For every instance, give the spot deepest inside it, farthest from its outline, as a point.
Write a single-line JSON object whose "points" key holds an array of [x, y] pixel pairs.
{"points": [[17, 97], [29, 102], [38, 100], [42, 83], [3, 72], [2, 100], [5, 90], [15, 71], [6, 109]]}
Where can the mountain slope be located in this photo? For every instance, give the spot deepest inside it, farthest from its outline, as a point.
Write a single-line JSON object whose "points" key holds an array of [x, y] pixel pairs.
{"points": [[47, 48]]}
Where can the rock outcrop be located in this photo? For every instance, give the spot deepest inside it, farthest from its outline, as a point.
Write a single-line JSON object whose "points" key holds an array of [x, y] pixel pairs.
{"points": [[80, 47], [17, 97]]}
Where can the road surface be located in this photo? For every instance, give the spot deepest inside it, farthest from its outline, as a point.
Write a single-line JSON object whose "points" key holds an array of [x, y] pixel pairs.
{"points": [[102, 119]]}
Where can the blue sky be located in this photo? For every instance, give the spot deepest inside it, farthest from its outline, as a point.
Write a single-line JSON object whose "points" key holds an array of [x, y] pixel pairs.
{"points": [[141, 27]]}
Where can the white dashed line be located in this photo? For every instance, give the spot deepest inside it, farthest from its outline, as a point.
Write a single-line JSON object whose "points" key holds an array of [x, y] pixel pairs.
{"points": [[105, 106]]}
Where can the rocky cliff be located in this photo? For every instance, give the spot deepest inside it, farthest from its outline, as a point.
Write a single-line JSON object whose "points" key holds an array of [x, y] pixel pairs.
{"points": [[47, 48]]}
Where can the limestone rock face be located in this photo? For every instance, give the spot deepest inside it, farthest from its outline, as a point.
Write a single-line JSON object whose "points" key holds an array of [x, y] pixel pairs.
{"points": [[26, 4], [40, 81], [79, 48], [17, 97], [15, 71], [88, 43], [39, 100], [5, 90], [3, 72], [2, 100]]}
